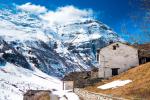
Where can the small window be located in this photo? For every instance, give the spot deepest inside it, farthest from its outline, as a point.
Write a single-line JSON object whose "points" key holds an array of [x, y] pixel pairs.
{"points": [[97, 57], [117, 45], [114, 47], [114, 71]]}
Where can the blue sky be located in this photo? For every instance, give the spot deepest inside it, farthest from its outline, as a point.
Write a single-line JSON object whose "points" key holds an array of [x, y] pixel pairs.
{"points": [[115, 13]]}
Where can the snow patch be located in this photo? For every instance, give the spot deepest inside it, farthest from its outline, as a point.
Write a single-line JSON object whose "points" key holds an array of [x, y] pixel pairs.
{"points": [[114, 84]]}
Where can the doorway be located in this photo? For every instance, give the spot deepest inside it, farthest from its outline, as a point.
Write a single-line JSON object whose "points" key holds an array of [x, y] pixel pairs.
{"points": [[114, 71]]}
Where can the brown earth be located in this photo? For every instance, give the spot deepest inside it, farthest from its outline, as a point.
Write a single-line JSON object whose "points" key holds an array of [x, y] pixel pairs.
{"points": [[138, 89]]}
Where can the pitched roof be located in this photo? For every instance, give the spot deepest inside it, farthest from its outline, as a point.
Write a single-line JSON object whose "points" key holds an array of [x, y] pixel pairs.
{"points": [[125, 43]]}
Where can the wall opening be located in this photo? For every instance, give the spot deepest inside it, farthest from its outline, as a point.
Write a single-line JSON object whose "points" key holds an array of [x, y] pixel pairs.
{"points": [[144, 60], [114, 47], [97, 55], [114, 71]]}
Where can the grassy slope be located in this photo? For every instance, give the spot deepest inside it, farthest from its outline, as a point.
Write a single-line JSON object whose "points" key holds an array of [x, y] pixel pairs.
{"points": [[139, 89]]}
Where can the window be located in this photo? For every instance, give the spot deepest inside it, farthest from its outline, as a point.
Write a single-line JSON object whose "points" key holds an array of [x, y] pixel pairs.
{"points": [[114, 71], [97, 57], [114, 47], [117, 45]]}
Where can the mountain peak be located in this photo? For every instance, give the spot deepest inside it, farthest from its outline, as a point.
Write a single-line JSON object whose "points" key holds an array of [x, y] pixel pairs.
{"points": [[56, 49]]}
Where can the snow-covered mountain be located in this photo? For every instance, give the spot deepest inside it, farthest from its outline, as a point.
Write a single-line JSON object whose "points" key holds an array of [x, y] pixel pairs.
{"points": [[30, 41]]}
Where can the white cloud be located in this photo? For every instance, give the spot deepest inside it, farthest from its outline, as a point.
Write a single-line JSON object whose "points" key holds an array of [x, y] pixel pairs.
{"points": [[32, 8], [60, 16], [67, 14]]}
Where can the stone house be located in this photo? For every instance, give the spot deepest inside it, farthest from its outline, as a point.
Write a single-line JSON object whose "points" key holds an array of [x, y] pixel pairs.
{"points": [[40, 95], [68, 85], [37, 95], [144, 53], [94, 73], [116, 58], [80, 79]]}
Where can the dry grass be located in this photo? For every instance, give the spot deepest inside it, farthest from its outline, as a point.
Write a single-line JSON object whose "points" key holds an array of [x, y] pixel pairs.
{"points": [[139, 89]]}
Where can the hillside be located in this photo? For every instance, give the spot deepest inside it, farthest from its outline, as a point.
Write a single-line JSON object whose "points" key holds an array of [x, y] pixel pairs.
{"points": [[138, 89], [16, 81]]}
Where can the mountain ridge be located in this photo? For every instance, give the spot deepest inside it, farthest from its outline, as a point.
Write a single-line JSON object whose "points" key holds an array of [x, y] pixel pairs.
{"points": [[55, 50]]}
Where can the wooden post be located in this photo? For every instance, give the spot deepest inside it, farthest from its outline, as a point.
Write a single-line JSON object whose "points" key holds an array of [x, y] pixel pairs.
{"points": [[73, 85], [63, 85]]}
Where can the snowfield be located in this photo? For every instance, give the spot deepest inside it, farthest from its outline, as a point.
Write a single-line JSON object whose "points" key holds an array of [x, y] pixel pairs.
{"points": [[114, 84], [15, 81]]}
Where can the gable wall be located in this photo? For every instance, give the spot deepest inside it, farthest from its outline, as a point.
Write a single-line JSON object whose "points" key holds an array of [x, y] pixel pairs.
{"points": [[124, 57]]}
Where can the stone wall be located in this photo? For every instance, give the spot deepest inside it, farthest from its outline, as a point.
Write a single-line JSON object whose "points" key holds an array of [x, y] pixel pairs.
{"points": [[37, 95], [79, 78], [86, 95], [68, 85], [82, 79]]}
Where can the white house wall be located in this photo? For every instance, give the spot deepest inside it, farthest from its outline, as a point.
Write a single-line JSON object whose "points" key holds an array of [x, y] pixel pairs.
{"points": [[124, 57], [104, 72]]}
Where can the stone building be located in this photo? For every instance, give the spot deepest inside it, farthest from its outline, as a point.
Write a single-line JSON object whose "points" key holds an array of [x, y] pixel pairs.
{"points": [[40, 95], [144, 53], [68, 85], [94, 73], [116, 58], [80, 79], [37, 95]]}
